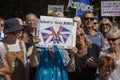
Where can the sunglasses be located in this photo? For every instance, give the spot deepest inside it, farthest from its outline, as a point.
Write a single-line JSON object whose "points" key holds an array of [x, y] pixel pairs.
{"points": [[81, 34], [91, 19], [112, 39], [95, 23], [2, 25], [105, 24]]}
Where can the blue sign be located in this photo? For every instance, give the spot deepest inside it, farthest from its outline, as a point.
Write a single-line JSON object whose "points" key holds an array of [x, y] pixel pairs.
{"points": [[84, 4], [80, 5]]}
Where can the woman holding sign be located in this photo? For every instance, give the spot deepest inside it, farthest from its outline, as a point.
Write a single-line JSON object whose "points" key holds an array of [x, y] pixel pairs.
{"points": [[53, 62], [83, 58]]}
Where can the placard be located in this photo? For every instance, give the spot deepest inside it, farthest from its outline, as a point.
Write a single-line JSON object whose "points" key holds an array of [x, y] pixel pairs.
{"points": [[57, 31], [110, 8]]}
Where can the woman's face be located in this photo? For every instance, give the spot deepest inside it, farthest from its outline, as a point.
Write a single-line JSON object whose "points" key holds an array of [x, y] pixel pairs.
{"points": [[104, 73], [95, 24], [105, 27], [80, 38], [114, 43]]}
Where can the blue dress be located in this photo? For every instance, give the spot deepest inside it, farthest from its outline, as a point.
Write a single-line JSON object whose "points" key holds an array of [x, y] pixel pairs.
{"points": [[51, 68]]}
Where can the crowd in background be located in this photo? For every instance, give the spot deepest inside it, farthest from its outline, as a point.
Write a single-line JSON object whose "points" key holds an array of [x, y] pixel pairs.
{"points": [[96, 55]]}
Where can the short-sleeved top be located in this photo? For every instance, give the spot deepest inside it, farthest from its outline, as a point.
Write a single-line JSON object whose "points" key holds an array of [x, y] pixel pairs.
{"points": [[98, 38], [13, 48]]}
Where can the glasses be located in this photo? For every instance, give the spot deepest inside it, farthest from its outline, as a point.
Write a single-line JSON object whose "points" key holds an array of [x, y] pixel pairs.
{"points": [[91, 19], [112, 39], [105, 24], [2, 25], [81, 34], [95, 23]]}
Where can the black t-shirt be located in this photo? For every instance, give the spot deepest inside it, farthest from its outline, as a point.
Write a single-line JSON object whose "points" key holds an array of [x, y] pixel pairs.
{"points": [[30, 38], [82, 71]]}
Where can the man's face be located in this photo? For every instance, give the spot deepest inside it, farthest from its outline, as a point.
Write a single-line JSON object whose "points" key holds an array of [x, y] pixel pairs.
{"points": [[88, 20], [31, 21]]}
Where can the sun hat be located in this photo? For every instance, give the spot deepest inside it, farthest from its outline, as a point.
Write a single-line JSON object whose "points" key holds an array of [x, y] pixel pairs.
{"points": [[114, 33], [12, 25]]}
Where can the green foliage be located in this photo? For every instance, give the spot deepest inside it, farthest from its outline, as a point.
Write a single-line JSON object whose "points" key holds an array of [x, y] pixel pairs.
{"points": [[19, 8]]}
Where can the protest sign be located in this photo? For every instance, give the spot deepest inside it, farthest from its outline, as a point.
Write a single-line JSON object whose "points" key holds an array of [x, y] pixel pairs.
{"points": [[57, 31], [110, 8], [55, 8], [81, 6]]}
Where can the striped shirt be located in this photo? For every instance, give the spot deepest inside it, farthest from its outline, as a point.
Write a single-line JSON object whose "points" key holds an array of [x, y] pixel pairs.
{"points": [[116, 73]]}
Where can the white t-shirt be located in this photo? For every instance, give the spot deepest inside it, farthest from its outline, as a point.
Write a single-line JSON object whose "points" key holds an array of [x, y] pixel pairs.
{"points": [[13, 48]]}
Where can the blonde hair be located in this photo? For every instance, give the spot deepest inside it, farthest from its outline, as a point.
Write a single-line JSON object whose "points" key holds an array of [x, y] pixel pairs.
{"points": [[105, 20], [114, 33], [87, 41]]}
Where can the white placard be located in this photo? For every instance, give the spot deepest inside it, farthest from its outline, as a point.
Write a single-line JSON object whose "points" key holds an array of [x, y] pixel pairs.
{"points": [[110, 8], [57, 31], [55, 8]]}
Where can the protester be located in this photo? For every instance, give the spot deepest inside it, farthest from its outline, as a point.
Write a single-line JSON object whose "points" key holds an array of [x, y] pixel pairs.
{"points": [[83, 62], [53, 61], [105, 27], [14, 50], [52, 64], [106, 66], [114, 51], [95, 37], [31, 22]]}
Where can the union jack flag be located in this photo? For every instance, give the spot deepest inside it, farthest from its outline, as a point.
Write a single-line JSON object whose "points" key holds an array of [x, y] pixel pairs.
{"points": [[50, 35], [63, 34]]}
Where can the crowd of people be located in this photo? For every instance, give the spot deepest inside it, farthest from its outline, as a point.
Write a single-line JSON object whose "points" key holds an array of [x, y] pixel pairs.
{"points": [[96, 55]]}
